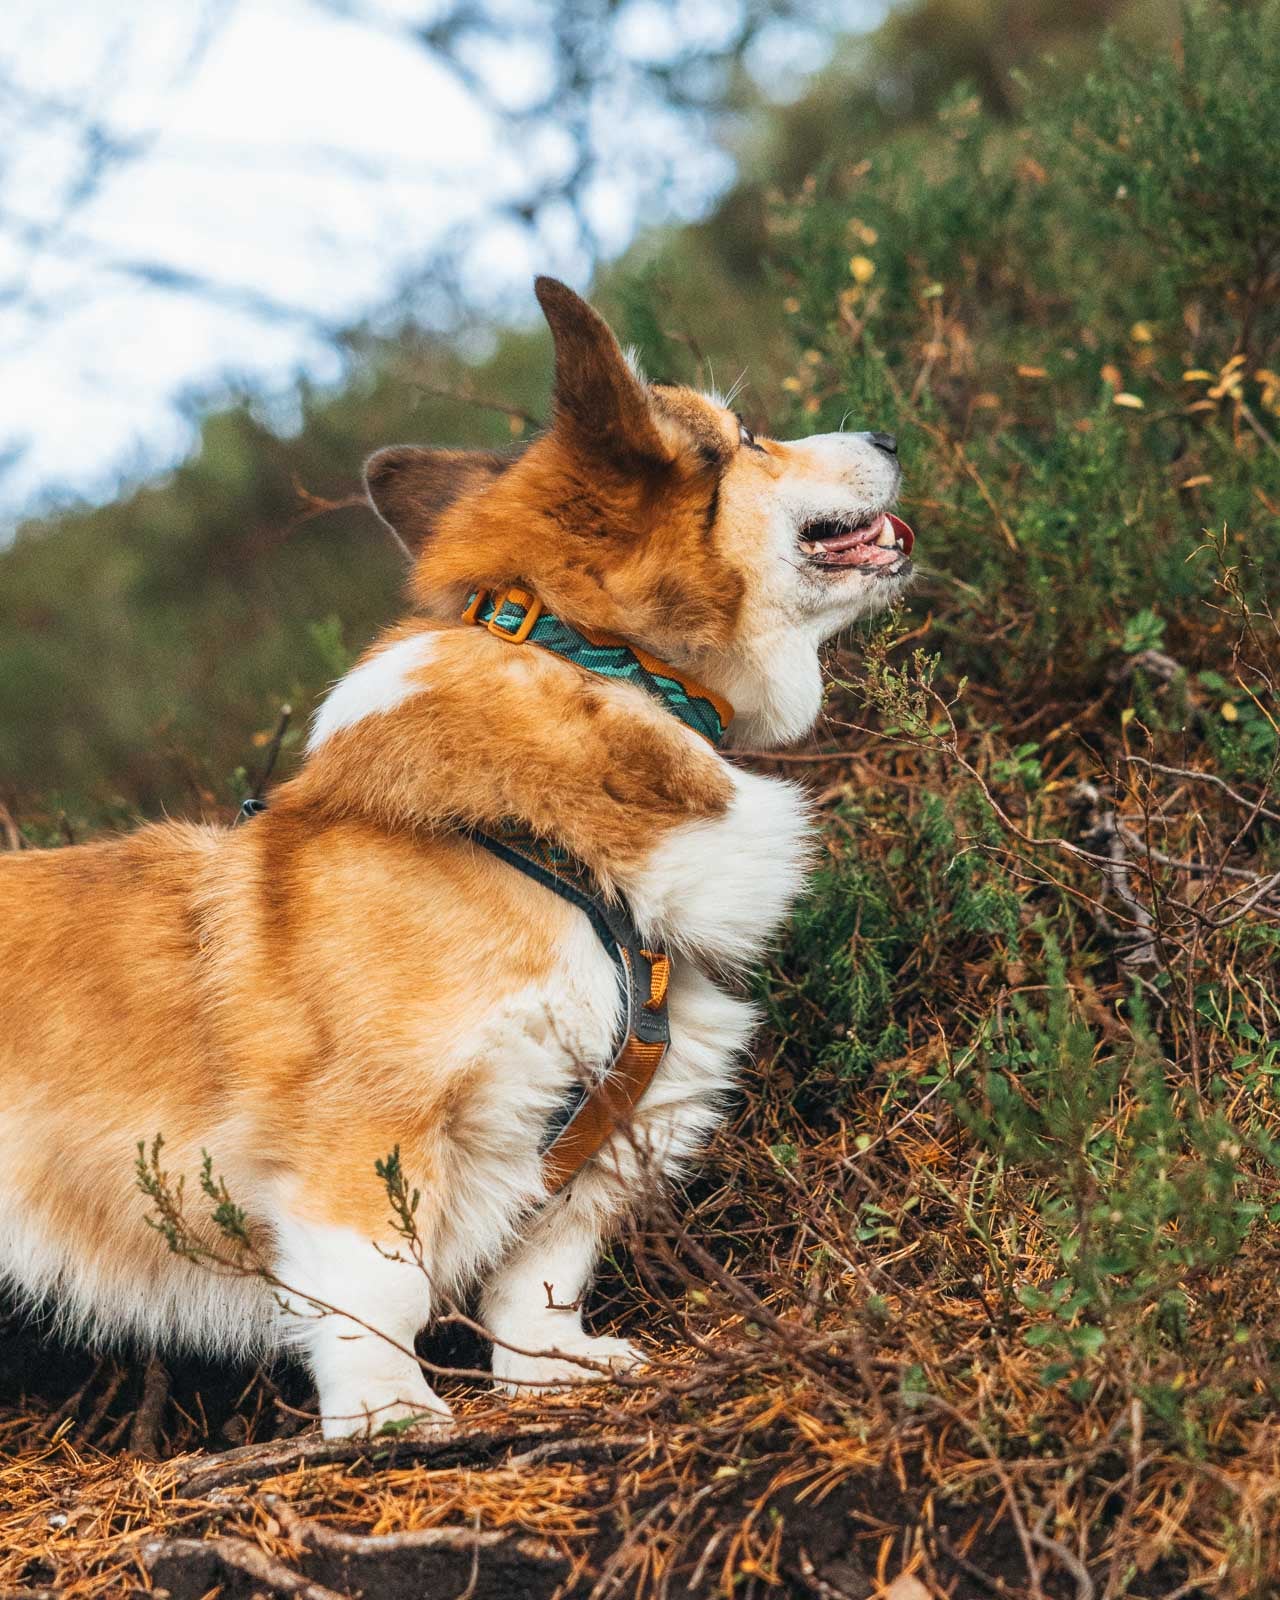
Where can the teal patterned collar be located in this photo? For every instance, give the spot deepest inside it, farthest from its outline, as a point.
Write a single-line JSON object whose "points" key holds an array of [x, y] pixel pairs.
{"points": [[518, 617]]}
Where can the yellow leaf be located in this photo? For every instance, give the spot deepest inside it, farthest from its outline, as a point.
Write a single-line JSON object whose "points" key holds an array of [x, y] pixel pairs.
{"points": [[986, 401], [1130, 400], [1112, 374], [813, 358], [791, 305], [1197, 375], [1141, 333], [1195, 483], [791, 385], [862, 268], [1033, 372], [1228, 712]]}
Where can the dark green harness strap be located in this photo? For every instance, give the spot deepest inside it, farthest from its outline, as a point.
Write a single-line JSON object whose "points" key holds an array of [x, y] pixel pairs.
{"points": [[643, 1017]]}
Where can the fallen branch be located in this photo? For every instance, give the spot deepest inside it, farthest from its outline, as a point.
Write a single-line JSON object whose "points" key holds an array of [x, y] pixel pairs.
{"points": [[252, 1462], [196, 1566], [433, 1559], [1108, 833]]}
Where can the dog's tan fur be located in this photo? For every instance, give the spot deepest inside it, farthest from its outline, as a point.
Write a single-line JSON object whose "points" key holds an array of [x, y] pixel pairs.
{"points": [[348, 973]]}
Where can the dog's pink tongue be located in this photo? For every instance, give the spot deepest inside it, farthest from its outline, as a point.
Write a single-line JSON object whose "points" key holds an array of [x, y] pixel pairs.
{"points": [[903, 530]]}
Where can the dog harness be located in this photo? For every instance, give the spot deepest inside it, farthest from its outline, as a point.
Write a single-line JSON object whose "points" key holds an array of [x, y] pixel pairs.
{"points": [[591, 1112]]}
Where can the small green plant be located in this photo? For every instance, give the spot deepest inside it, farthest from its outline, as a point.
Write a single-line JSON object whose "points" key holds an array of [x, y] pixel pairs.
{"points": [[1021, 767], [1139, 1187], [1143, 631], [899, 888]]}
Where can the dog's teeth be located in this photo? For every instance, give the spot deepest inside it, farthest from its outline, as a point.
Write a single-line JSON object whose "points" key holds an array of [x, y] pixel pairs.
{"points": [[886, 538], [818, 548], [807, 546]]}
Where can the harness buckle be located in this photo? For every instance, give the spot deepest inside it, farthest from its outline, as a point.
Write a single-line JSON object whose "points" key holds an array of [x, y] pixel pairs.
{"points": [[532, 611]]}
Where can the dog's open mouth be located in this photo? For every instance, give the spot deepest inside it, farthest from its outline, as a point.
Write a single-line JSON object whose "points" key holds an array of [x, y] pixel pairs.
{"points": [[882, 544]]}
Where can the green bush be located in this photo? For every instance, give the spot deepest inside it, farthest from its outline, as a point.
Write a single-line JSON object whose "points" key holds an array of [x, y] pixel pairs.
{"points": [[904, 897], [1073, 324], [1139, 1187]]}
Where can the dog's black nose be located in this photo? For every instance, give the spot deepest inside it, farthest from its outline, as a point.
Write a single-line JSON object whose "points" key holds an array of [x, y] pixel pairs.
{"points": [[885, 442]]}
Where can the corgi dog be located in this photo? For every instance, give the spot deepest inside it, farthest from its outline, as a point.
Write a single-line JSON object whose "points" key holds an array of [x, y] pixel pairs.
{"points": [[356, 971]]}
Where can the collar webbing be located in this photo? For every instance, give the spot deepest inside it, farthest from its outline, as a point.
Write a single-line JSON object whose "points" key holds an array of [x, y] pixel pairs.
{"points": [[518, 617]]}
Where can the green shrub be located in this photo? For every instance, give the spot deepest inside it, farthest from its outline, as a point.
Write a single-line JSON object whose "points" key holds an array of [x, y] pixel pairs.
{"points": [[1073, 324], [903, 898], [1139, 1187]]}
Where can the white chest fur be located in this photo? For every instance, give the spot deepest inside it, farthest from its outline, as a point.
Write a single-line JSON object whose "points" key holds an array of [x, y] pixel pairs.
{"points": [[719, 890]]}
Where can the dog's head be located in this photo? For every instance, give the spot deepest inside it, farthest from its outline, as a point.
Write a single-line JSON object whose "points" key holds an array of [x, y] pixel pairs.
{"points": [[650, 511]]}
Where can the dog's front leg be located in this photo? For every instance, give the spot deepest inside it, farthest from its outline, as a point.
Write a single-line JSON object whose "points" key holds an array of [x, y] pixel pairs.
{"points": [[533, 1303], [355, 1314]]}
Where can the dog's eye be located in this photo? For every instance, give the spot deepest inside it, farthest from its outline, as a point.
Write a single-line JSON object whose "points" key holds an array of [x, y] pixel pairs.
{"points": [[745, 436]]}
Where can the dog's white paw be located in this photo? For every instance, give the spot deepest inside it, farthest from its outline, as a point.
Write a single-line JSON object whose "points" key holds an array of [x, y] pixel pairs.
{"points": [[562, 1364]]}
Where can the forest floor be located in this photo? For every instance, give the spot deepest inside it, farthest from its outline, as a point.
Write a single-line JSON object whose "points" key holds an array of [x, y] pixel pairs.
{"points": [[848, 1315]]}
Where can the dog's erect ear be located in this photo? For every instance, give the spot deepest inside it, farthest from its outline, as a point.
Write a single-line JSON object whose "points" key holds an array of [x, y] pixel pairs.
{"points": [[410, 487], [597, 396]]}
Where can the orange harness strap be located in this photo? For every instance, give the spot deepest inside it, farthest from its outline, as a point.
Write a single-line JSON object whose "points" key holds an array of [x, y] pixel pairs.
{"points": [[594, 1113], [608, 1107], [611, 1103]]}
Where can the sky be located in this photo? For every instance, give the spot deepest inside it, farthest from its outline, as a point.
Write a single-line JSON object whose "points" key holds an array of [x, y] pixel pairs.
{"points": [[195, 193]]}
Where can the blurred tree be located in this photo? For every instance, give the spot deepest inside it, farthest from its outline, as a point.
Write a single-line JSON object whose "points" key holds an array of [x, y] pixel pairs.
{"points": [[609, 112]]}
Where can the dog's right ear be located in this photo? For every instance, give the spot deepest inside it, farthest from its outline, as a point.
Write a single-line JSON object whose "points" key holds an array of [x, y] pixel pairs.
{"points": [[410, 487]]}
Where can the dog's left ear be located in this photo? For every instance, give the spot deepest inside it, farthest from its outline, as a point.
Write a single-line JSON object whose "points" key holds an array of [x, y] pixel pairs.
{"points": [[598, 399], [411, 487]]}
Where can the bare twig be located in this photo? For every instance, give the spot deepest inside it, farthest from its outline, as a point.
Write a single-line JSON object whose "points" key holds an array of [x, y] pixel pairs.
{"points": [[1194, 775], [12, 833], [273, 753]]}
